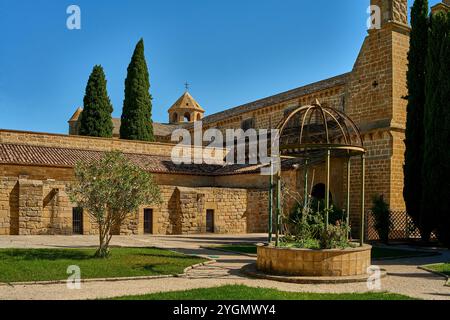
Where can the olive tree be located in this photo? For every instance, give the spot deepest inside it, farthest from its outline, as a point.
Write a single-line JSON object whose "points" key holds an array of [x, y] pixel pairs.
{"points": [[111, 188]]}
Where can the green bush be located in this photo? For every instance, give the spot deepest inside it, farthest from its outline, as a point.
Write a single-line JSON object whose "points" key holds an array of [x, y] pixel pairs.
{"points": [[335, 236], [381, 213], [307, 228]]}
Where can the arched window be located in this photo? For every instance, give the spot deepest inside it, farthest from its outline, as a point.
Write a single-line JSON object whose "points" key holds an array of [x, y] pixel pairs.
{"points": [[187, 117], [175, 117], [199, 117]]}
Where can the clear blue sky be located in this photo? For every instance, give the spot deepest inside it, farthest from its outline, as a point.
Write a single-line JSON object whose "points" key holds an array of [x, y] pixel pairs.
{"points": [[232, 51]]}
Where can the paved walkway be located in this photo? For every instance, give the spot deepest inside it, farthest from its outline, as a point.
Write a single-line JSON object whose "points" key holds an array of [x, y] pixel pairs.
{"points": [[404, 276]]}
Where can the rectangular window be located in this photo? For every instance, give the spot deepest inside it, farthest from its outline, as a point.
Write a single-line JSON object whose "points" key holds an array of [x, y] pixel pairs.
{"points": [[77, 220]]}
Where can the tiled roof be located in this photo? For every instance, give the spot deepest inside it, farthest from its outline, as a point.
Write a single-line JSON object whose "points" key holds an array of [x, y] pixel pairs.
{"points": [[278, 98], [18, 154], [186, 101], [76, 114], [67, 157], [159, 129]]}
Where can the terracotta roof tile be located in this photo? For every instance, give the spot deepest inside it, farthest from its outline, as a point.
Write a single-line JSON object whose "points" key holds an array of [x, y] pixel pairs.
{"points": [[278, 98], [67, 157]]}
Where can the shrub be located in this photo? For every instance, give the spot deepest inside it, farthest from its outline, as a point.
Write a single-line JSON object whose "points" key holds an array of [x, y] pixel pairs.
{"points": [[308, 229], [335, 236], [381, 213]]}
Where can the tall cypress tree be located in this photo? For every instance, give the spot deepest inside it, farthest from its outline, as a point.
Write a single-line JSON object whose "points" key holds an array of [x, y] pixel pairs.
{"points": [[414, 117], [435, 154], [137, 106], [443, 123], [95, 120]]}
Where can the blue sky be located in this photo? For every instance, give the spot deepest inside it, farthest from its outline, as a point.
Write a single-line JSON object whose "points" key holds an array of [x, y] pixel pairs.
{"points": [[232, 51]]}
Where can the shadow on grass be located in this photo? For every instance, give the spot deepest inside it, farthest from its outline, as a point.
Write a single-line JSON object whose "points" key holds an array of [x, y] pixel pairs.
{"points": [[46, 254], [168, 256]]}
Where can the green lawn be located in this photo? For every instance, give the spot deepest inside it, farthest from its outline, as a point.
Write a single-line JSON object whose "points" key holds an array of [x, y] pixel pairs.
{"points": [[441, 267], [51, 264], [240, 292], [377, 253]]}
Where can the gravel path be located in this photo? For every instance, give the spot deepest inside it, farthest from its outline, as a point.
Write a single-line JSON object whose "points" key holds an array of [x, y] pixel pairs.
{"points": [[404, 276]]}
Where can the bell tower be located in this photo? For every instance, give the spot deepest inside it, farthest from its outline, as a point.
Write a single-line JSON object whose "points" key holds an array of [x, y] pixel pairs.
{"points": [[392, 11], [375, 100], [185, 109]]}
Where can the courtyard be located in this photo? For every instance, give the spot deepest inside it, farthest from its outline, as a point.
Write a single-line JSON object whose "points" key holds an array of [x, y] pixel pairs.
{"points": [[404, 277]]}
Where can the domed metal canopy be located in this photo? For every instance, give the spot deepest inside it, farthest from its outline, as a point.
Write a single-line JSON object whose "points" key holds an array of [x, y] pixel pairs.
{"points": [[315, 129], [315, 134]]}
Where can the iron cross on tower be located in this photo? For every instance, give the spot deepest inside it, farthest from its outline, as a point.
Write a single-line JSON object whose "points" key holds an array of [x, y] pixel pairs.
{"points": [[187, 85]]}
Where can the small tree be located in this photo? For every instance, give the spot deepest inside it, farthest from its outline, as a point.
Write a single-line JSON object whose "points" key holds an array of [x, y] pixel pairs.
{"points": [[111, 188], [96, 120], [381, 213]]}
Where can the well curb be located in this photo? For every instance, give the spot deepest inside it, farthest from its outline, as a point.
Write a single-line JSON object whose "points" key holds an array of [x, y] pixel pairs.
{"points": [[250, 270]]}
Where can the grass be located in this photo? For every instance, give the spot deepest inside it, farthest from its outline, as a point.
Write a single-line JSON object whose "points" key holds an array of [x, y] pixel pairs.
{"points": [[440, 267], [240, 292], [17, 265], [377, 252]]}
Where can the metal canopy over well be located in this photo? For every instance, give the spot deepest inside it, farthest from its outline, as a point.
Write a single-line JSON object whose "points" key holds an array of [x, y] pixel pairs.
{"points": [[316, 134]]}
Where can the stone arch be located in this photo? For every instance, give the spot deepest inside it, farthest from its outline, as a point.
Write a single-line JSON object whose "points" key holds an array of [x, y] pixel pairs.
{"points": [[174, 117], [187, 117]]}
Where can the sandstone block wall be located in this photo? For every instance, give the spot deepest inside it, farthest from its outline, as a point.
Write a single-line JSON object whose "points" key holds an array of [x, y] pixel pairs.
{"points": [[9, 206], [42, 207]]}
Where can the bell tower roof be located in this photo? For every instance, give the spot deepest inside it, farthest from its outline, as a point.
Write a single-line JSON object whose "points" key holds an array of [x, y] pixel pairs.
{"points": [[185, 109], [186, 102], [76, 114]]}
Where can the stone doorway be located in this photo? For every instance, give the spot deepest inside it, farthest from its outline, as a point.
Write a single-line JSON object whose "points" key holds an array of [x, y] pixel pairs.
{"points": [[210, 221], [148, 221]]}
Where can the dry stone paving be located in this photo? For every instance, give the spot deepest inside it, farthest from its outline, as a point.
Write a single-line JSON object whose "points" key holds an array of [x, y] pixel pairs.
{"points": [[404, 275]]}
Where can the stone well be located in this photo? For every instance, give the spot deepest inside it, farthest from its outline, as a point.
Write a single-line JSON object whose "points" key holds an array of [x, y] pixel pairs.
{"points": [[307, 262]]}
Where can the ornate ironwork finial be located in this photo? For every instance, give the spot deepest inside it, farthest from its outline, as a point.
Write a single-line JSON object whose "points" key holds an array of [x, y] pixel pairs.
{"points": [[186, 86], [317, 103]]}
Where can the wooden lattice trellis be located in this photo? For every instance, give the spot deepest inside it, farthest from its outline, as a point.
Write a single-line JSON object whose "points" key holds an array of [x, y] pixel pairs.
{"points": [[403, 228]]}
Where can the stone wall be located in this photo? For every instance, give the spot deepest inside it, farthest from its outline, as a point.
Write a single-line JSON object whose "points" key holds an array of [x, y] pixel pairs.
{"points": [[9, 206], [39, 207]]}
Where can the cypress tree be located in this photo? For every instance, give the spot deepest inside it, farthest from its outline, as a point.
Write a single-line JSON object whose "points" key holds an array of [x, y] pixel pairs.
{"points": [[414, 119], [136, 123], [95, 120], [433, 193], [443, 123]]}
